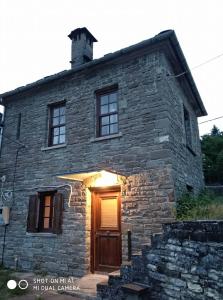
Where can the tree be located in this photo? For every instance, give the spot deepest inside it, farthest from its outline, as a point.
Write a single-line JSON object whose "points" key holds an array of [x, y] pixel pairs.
{"points": [[212, 149], [215, 131]]}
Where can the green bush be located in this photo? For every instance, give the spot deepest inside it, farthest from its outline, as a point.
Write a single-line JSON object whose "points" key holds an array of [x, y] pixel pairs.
{"points": [[205, 206]]}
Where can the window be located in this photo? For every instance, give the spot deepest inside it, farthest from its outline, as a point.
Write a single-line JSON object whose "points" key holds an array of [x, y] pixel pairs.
{"points": [[107, 113], [187, 128], [189, 188], [45, 212], [19, 126], [57, 125]]}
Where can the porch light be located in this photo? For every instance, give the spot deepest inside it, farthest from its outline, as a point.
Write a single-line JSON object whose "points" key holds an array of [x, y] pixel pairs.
{"points": [[100, 178], [106, 179]]}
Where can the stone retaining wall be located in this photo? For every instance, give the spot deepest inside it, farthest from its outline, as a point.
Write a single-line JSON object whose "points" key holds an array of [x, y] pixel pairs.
{"points": [[185, 262], [216, 189]]}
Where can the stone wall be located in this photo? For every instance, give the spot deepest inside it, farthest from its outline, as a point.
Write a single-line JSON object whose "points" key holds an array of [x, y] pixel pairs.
{"points": [[142, 152], [186, 262], [135, 151], [217, 189], [186, 162], [147, 203], [64, 254]]}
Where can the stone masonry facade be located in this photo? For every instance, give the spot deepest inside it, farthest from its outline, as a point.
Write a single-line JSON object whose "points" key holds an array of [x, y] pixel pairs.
{"points": [[149, 152]]}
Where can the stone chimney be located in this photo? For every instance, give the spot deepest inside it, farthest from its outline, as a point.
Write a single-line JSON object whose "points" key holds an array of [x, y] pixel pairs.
{"points": [[82, 46]]}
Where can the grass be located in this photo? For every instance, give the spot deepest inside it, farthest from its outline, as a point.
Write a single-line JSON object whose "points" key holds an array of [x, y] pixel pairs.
{"points": [[5, 293], [205, 206]]}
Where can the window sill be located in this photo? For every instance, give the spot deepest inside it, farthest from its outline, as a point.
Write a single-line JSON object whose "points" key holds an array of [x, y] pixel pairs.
{"points": [[41, 234], [191, 150], [106, 137], [53, 147]]}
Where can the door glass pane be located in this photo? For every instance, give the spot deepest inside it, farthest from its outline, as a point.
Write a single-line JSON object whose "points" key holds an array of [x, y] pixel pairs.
{"points": [[109, 213]]}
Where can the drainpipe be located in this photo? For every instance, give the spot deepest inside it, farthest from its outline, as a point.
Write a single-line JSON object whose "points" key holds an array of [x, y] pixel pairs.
{"points": [[1, 123], [129, 245]]}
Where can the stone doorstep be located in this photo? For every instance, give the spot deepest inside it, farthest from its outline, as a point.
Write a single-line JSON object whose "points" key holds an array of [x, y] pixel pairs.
{"points": [[88, 286], [79, 295], [114, 275], [135, 288]]}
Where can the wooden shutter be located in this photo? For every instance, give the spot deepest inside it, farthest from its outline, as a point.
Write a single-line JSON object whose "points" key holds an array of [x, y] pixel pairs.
{"points": [[57, 212], [33, 214]]}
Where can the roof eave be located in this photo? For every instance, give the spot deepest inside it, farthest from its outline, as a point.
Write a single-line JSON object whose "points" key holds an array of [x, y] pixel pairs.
{"points": [[176, 46], [165, 36]]}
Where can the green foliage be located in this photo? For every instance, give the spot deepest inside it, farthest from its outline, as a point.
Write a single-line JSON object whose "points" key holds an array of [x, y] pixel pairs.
{"points": [[5, 293], [212, 149], [205, 206], [215, 131]]}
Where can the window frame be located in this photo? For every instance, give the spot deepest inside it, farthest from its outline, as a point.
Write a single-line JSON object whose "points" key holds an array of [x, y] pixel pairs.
{"points": [[41, 217], [34, 211], [187, 128], [103, 92], [189, 143], [51, 127]]}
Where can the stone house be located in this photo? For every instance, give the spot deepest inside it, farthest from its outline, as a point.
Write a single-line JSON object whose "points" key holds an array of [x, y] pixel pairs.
{"points": [[95, 152]]}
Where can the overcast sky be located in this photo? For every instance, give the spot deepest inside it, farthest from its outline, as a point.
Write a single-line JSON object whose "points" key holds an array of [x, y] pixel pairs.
{"points": [[34, 42]]}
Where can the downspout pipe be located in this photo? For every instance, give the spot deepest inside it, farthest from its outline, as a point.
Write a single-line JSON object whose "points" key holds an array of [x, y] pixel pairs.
{"points": [[2, 114]]}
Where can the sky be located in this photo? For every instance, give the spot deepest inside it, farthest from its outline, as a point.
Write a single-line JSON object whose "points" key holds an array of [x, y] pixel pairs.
{"points": [[34, 42]]}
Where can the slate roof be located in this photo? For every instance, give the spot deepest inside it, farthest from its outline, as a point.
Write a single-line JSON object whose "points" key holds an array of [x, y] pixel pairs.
{"points": [[164, 36]]}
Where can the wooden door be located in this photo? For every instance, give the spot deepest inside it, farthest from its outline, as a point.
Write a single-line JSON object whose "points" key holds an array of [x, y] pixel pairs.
{"points": [[106, 231]]}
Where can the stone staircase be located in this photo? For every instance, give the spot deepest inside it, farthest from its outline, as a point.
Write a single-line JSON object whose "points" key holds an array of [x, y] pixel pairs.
{"points": [[87, 285], [126, 283], [184, 262]]}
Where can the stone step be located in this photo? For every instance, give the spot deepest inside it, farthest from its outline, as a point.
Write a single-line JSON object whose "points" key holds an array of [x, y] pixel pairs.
{"points": [[114, 277], [101, 286], [135, 291], [80, 295], [125, 270], [87, 286], [156, 239]]}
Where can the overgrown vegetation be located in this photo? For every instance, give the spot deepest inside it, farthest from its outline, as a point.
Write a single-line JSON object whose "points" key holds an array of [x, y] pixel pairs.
{"points": [[205, 206], [212, 151], [5, 293]]}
